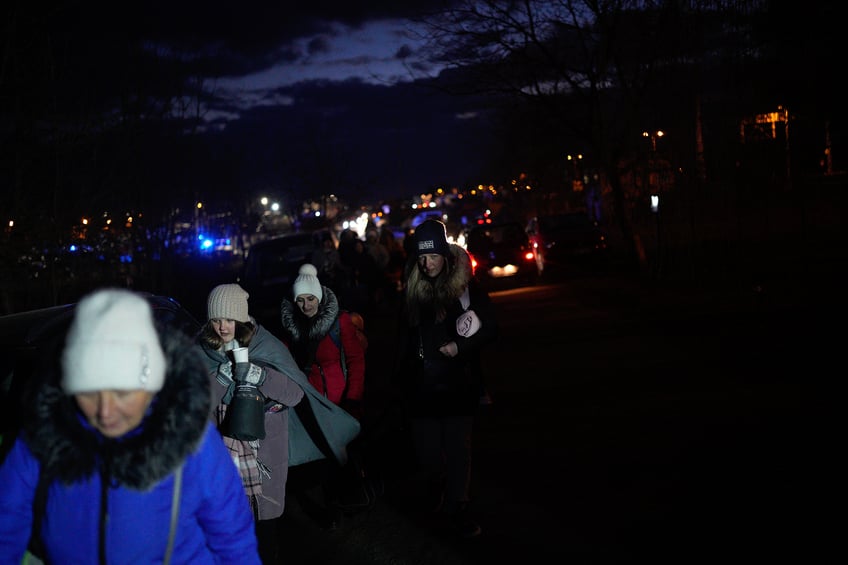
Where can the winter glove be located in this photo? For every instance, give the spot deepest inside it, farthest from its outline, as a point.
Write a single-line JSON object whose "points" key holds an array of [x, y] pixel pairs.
{"points": [[249, 373], [242, 373]]}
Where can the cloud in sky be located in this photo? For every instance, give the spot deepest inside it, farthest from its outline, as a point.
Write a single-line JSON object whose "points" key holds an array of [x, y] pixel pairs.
{"points": [[286, 86], [373, 53], [344, 101]]}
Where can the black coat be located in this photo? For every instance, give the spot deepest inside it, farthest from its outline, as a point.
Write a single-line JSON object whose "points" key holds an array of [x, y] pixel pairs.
{"points": [[433, 384]]}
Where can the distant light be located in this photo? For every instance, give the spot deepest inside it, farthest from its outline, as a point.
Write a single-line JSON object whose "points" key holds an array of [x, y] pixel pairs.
{"points": [[275, 206], [11, 223], [72, 248]]}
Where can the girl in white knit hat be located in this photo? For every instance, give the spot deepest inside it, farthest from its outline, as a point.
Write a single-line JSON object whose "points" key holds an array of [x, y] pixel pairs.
{"points": [[264, 461], [325, 344]]}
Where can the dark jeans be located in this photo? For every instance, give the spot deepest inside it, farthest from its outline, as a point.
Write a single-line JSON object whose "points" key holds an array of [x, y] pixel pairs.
{"points": [[443, 448]]}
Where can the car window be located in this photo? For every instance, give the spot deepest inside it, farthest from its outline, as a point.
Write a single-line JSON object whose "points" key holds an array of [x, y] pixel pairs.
{"points": [[485, 238], [512, 235], [179, 319], [275, 258], [479, 238]]}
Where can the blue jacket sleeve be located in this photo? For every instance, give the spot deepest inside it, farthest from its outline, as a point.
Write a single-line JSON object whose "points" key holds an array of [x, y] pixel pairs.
{"points": [[18, 479]]}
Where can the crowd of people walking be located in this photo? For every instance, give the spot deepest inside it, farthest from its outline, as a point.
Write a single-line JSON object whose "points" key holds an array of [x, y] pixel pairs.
{"points": [[243, 419]]}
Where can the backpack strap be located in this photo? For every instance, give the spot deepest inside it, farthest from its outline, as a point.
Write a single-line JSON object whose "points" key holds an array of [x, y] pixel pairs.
{"points": [[465, 299], [335, 335]]}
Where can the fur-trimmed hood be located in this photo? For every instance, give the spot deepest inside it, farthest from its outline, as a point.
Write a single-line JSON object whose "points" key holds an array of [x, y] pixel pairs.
{"points": [[69, 449], [440, 292], [313, 329]]}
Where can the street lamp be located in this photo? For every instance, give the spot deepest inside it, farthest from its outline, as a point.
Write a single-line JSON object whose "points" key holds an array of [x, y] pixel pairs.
{"points": [[653, 135], [576, 184], [574, 159]]}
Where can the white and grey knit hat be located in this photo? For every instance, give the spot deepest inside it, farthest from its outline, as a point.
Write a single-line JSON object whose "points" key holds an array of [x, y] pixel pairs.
{"points": [[307, 282], [112, 344], [227, 302]]}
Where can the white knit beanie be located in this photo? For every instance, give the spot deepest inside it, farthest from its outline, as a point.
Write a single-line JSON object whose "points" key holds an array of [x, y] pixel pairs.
{"points": [[227, 302], [307, 282], [112, 344]]}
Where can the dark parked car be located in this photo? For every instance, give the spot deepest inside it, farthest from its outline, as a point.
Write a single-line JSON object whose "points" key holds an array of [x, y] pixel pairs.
{"points": [[25, 335], [270, 268], [566, 239], [502, 254]]}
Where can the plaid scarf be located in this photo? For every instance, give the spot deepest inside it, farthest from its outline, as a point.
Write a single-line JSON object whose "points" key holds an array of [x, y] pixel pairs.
{"points": [[245, 456]]}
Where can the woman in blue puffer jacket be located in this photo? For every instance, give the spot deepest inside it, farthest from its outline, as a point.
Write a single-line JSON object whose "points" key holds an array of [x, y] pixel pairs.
{"points": [[117, 418]]}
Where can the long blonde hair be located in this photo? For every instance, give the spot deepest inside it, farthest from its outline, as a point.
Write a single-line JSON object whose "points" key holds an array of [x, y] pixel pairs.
{"points": [[440, 292]]}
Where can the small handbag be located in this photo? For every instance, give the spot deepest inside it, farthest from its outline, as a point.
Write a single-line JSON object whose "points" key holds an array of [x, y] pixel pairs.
{"points": [[468, 323]]}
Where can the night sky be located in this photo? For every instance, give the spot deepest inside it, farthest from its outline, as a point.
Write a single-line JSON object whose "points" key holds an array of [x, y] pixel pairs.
{"points": [[303, 97]]}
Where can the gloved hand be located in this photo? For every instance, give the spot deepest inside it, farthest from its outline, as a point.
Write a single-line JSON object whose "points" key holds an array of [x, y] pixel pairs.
{"points": [[249, 373]]}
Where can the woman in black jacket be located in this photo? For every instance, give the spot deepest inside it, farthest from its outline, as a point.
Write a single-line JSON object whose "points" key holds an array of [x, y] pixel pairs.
{"points": [[447, 318]]}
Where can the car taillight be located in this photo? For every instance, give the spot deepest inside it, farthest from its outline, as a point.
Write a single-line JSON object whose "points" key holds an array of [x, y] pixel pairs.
{"points": [[529, 256], [473, 263]]}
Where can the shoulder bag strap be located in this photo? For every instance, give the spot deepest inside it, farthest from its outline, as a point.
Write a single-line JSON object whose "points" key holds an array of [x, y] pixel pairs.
{"points": [[175, 512]]}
